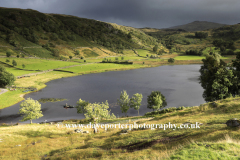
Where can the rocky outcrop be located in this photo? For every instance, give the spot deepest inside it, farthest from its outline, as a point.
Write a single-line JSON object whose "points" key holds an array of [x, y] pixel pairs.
{"points": [[233, 123]]}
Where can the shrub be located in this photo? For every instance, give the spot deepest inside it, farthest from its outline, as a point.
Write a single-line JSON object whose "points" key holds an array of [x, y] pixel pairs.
{"points": [[6, 78], [8, 54], [14, 63], [171, 60]]}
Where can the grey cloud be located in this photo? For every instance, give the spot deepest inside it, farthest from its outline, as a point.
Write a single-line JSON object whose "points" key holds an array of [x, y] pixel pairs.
{"points": [[139, 13]]}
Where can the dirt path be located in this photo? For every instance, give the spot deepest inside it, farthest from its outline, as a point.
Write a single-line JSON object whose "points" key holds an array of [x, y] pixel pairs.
{"points": [[2, 90]]}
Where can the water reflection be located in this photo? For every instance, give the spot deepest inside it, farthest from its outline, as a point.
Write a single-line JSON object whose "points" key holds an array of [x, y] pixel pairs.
{"points": [[179, 84]]}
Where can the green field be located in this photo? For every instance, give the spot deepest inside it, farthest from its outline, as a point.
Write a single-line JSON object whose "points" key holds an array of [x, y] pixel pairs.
{"points": [[189, 57], [39, 64], [193, 57], [91, 60], [39, 52], [10, 98], [143, 52], [17, 72], [99, 67]]}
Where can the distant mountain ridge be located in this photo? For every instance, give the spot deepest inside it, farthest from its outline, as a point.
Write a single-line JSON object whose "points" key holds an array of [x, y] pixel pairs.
{"points": [[198, 26]]}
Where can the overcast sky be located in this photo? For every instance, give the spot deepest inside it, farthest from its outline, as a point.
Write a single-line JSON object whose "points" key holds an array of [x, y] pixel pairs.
{"points": [[139, 13]]}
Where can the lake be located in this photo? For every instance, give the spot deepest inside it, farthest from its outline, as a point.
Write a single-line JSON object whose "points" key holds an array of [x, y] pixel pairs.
{"points": [[178, 83]]}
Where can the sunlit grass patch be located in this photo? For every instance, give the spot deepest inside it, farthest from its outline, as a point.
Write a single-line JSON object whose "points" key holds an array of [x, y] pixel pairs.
{"points": [[10, 98], [189, 57], [143, 52], [38, 64], [17, 72], [213, 140], [100, 67]]}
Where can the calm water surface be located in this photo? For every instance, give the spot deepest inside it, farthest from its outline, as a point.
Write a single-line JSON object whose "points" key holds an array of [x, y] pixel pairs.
{"points": [[179, 84]]}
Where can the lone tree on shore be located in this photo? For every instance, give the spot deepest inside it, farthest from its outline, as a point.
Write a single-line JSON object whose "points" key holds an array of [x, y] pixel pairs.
{"points": [[81, 105], [123, 102], [135, 101], [156, 100], [31, 110], [6, 78], [94, 112]]}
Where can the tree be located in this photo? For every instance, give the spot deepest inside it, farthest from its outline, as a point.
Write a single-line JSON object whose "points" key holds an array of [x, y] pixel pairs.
{"points": [[7, 60], [135, 101], [221, 87], [31, 110], [70, 57], [212, 69], [55, 52], [77, 52], [156, 100], [81, 104], [201, 35], [122, 58], [160, 52], [14, 63], [8, 54], [123, 102], [94, 112], [155, 48], [171, 60], [6, 78], [23, 66], [17, 56], [236, 71]]}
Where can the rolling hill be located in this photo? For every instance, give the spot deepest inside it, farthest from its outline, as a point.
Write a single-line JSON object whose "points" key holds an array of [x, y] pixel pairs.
{"points": [[198, 26], [224, 39], [38, 34]]}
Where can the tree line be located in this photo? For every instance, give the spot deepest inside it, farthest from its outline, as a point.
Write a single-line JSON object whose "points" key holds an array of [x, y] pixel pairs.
{"points": [[95, 112], [219, 80]]}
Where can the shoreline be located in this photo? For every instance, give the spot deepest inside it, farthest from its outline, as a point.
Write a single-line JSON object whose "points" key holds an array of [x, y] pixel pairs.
{"points": [[151, 65]]}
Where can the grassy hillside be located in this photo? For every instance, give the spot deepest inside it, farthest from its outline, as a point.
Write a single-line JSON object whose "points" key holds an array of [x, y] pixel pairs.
{"points": [[212, 139], [224, 40], [32, 33]]}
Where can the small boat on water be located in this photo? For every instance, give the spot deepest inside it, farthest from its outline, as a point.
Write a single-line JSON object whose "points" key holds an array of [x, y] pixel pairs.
{"points": [[68, 106]]}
